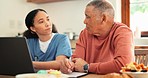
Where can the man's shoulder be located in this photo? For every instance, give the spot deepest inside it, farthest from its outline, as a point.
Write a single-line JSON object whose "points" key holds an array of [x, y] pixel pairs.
{"points": [[118, 24], [84, 31], [120, 27]]}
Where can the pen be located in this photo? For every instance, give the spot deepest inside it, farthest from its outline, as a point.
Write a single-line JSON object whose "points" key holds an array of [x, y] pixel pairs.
{"points": [[36, 58], [70, 66]]}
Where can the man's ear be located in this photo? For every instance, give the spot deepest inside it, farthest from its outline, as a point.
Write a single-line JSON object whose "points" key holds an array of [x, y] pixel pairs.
{"points": [[104, 18], [32, 29]]}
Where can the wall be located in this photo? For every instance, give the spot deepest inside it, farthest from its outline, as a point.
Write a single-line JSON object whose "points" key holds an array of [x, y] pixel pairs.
{"points": [[12, 16], [66, 15]]}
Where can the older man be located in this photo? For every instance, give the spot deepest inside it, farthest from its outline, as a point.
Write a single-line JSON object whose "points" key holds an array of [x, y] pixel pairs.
{"points": [[104, 46]]}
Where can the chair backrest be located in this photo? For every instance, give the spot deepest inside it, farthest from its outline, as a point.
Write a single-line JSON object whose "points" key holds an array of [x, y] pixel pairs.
{"points": [[141, 56]]}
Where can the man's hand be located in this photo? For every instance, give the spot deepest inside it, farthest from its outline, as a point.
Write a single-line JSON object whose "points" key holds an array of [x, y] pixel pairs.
{"points": [[79, 63], [66, 66]]}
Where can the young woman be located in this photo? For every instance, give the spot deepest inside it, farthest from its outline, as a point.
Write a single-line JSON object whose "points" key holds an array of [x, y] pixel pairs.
{"points": [[47, 48]]}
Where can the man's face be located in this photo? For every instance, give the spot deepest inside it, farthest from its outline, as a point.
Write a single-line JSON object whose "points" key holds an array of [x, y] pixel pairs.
{"points": [[93, 20]]}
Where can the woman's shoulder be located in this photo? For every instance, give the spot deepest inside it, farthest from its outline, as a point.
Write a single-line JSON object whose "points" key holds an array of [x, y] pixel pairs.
{"points": [[60, 35], [32, 39]]}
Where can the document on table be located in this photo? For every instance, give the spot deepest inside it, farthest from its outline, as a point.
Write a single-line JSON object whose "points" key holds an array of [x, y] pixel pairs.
{"points": [[76, 74]]}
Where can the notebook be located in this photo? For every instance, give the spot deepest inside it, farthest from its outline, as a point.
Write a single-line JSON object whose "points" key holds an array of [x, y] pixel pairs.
{"points": [[14, 56], [76, 74]]}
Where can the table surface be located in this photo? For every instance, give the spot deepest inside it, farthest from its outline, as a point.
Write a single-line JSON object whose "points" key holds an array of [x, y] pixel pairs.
{"points": [[87, 76], [4, 76]]}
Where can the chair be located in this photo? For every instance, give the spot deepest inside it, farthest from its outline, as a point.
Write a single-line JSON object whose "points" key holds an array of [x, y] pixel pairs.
{"points": [[141, 56]]}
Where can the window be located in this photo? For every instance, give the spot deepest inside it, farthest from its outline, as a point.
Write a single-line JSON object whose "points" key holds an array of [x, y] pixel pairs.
{"points": [[138, 16]]}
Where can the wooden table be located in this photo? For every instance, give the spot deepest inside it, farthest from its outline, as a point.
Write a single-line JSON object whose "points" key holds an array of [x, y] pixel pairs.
{"points": [[4, 76], [87, 76]]}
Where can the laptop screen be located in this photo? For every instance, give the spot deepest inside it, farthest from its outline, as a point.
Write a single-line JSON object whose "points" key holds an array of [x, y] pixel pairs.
{"points": [[14, 56]]}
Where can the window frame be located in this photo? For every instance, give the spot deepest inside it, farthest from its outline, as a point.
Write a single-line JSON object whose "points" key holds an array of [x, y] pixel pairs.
{"points": [[125, 12]]}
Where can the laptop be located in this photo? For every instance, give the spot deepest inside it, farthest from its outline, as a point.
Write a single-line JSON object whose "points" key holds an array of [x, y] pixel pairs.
{"points": [[14, 56]]}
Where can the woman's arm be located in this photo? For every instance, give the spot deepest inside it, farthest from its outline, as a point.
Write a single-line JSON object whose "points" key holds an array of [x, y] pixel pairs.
{"points": [[49, 64]]}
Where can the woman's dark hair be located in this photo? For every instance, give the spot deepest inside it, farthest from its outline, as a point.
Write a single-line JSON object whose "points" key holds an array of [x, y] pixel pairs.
{"points": [[54, 29], [29, 21], [30, 17]]}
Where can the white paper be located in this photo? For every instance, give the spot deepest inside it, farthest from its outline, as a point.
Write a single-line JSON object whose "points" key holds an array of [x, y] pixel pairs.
{"points": [[76, 74]]}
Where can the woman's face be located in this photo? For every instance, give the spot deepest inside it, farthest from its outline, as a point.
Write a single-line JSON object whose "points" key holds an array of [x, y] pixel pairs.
{"points": [[42, 24]]}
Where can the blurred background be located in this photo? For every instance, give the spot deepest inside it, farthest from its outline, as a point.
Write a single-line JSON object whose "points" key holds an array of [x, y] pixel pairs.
{"points": [[67, 15]]}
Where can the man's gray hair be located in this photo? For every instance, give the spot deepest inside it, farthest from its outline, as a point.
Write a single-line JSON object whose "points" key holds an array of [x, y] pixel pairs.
{"points": [[103, 6]]}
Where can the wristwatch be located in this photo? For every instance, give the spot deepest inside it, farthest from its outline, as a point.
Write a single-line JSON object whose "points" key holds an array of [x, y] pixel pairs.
{"points": [[86, 68]]}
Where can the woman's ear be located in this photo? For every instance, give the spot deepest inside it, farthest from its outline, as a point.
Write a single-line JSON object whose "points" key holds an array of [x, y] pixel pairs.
{"points": [[32, 28]]}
